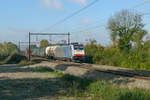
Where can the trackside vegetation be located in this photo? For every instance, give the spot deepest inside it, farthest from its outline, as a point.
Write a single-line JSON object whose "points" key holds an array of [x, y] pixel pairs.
{"points": [[130, 46], [82, 88], [7, 49]]}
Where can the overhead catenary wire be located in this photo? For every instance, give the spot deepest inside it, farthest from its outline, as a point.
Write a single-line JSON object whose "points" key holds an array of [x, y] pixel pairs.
{"points": [[138, 5], [141, 4], [89, 28], [145, 14], [70, 16]]}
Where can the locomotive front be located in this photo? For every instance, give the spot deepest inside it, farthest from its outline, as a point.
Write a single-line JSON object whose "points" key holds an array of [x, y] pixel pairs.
{"points": [[78, 52]]}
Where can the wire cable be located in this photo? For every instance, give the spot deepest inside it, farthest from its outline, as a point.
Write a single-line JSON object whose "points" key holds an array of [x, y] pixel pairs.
{"points": [[145, 14], [138, 5], [73, 14], [90, 28]]}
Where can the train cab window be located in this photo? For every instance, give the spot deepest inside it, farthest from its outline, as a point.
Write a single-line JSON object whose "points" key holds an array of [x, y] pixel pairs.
{"points": [[76, 47], [81, 47]]}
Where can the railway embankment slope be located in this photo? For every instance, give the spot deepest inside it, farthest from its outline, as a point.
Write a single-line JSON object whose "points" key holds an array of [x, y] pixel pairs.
{"points": [[121, 76]]}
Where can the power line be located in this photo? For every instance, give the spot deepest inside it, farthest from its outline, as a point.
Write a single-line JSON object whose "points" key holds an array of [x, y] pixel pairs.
{"points": [[73, 14], [141, 4], [98, 26], [90, 28], [147, 23], [138, 5], [89, 24], [145, 14]]}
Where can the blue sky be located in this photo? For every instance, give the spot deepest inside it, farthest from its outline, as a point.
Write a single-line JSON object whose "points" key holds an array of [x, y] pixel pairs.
{"points": [[18, 17]]}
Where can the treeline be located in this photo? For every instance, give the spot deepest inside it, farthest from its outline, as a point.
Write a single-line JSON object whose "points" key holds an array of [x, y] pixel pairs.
{"points": [[6, 49], [129, 48]]}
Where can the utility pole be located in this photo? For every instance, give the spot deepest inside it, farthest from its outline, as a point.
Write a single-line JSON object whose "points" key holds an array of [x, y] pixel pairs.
{"points": [[29, 47], [68, 38], [19, 47]]}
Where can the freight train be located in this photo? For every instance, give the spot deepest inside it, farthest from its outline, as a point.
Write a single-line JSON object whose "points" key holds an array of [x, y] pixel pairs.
{"points": [[68, 52], [72, 52]]}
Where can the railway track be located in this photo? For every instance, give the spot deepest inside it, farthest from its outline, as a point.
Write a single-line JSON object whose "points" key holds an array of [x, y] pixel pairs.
{"points": [[145, 75], [118, 72]]}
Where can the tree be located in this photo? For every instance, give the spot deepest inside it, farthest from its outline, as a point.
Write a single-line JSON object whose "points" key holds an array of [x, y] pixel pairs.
{"points": [[91, 48], [63, 41], [1, 48], [11, 47], [138, 38], [44, 43], [33, 46], [123, 26], [8, 48]]}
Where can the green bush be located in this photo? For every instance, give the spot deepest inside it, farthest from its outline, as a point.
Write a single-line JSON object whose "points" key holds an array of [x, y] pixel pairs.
{"points": [[1, 63], [25, 62], [89, 59], [3, 57], [106, 91], [15, 58], [136, 58]]}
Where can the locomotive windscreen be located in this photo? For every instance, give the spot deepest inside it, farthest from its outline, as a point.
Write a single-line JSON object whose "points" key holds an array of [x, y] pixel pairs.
{"points": [[78, 47]]}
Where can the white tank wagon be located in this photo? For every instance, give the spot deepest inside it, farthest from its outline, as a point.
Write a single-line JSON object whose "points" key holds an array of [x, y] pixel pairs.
{"points": [[48, 51], [70, 52]]}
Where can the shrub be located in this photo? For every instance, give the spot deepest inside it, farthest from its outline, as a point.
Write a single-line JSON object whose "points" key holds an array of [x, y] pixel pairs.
{"points": [[1, 63], [3, 57], [137, 58], [15, 58], [25, 62], [106, 91]]}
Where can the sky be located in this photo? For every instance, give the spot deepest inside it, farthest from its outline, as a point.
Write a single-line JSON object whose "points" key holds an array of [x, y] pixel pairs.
{"points": [[19, 17]]}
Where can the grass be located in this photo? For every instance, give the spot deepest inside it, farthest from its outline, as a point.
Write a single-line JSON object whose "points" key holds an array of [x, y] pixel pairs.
{"points": [[107, 91], [45, 70], [15, 58], [1, 63], [104, 91], [25, 63], [63, 85], [21, 63], [98, 90]]}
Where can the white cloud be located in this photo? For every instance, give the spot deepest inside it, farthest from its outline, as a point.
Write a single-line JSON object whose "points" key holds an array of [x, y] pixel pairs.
{"points": [[46, 3], [58, 3], [52, 4], [85, 21], [82, 2]]}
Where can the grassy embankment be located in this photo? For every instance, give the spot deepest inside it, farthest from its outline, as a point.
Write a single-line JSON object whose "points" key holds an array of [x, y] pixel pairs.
{"points": [[95, 90], [1, 63], [16, 58]]}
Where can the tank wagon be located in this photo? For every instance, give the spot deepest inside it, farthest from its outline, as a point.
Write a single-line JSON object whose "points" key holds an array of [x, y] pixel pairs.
{"points": [[38, 52], [67, 52]]}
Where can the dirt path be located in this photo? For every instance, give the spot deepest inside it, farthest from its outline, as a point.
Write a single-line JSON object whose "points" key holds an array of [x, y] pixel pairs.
{"points": [[20, 83]]}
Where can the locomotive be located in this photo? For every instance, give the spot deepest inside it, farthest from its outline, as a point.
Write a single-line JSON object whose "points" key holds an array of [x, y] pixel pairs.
{"points": [[73, 52]]}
